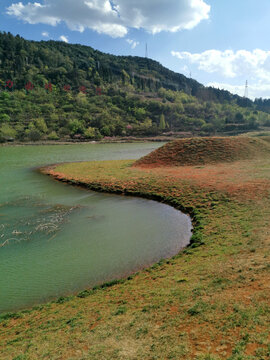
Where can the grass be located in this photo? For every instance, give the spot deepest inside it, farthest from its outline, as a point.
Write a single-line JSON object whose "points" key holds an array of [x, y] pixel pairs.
{"points": [[211, 301], [199, 151]]}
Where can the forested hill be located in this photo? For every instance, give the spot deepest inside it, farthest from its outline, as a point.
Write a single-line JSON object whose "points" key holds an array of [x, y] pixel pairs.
{"points": [[77, 65], [53, 90]]}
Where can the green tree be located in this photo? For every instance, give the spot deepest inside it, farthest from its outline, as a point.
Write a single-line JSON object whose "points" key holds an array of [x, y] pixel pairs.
{"points": [[53, 136], [4, 118], [239, 118], [41, 125], [7, 132], [34, 135], [162, 122], [76, 127], [90, 133]]}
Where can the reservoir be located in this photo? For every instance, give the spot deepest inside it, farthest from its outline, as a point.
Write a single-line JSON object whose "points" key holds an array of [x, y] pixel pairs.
{"points": [[56, 239]]}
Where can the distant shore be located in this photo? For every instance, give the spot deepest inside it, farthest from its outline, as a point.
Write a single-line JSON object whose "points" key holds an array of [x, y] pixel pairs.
{"points": [[79, 142], [130, 139]]}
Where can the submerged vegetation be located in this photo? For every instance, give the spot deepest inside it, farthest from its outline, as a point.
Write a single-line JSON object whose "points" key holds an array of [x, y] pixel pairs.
{"points": [[46, 221], [211, 301], [56, 91]]}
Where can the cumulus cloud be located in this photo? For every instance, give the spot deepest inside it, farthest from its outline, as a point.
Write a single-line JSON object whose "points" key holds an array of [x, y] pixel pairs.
{"points": [[231, 64], [236, 66], [114, 17], [132, 43], [162, 15], [45, 34], [63, 38]]}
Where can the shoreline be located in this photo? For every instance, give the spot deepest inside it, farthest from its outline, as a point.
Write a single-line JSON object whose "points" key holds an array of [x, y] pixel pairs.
{"points": [[193, 243], [217, 287], [129, 139], [75, 142], [46, 170], [49, 171]]}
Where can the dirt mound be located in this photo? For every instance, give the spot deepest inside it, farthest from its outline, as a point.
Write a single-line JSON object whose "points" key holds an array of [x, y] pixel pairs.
{"points": [[198, 151]]}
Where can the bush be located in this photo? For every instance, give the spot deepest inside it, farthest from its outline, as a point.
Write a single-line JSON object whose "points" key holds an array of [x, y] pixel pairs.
{"points": [[41, 125], [208, 128], [90, 133], [4, 118], [106, 131], [53, 136], [34, 135], [76, 127], [7, 132]]}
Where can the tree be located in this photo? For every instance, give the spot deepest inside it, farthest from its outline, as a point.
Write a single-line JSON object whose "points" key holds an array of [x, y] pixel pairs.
{"points": [[7, 132], [162, 123], [4, 118], [90, 133], [76, 127], [208, 128], [125, 77], [53, 136], [239, 118], [106, 131], [34, 135], [41, 125]]}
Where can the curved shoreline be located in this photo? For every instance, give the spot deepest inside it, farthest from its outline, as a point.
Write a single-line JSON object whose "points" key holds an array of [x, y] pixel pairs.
{"points": [[97, 187], [218, 290], [47, 170]]}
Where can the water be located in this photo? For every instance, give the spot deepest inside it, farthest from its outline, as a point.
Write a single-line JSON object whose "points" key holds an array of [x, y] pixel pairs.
{"points": [[56, 239]]}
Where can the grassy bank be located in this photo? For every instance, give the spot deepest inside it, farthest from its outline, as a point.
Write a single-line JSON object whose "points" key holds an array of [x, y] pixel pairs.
{"points": [[209, 302]]}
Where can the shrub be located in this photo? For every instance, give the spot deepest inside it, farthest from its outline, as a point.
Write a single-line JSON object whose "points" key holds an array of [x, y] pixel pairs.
{"points": [[53, 136], [4, 118], [7, 132], [34, 135]]}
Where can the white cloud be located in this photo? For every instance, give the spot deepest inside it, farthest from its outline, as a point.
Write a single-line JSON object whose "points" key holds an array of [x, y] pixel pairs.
{"points": [[63, 38], [162, 15], [114, 17], [132, 43], [45, 34], [251, 64], [112, 30], [236, 66]]}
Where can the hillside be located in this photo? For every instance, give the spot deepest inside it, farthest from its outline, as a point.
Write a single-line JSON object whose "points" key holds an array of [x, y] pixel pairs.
{"points": [[60, 63], [198, 151], [57, 91]]}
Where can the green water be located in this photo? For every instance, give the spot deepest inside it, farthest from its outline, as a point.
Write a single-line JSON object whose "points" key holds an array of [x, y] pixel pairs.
{"points": [[56, 239]]}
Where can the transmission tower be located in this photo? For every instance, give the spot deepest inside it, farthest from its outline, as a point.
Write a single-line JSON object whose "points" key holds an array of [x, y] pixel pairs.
{"points": [[146, 50], [246, 90]]}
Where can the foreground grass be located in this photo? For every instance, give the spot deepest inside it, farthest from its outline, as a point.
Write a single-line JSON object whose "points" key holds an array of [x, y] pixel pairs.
{"points": [[209, 302]]}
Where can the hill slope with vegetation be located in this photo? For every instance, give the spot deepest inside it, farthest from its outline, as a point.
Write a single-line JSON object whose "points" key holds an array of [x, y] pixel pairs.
{"points": [[199, 151], [53, 90]]}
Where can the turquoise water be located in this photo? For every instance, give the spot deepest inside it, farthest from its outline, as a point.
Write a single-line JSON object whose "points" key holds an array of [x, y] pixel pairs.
{"points": [[56, 239]]}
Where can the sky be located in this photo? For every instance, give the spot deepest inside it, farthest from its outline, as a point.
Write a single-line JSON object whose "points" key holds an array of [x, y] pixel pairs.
{"points": [[221, 43]]}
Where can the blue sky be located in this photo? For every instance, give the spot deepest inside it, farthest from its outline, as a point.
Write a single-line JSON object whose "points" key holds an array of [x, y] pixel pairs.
{"points": [[221, 43]]}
